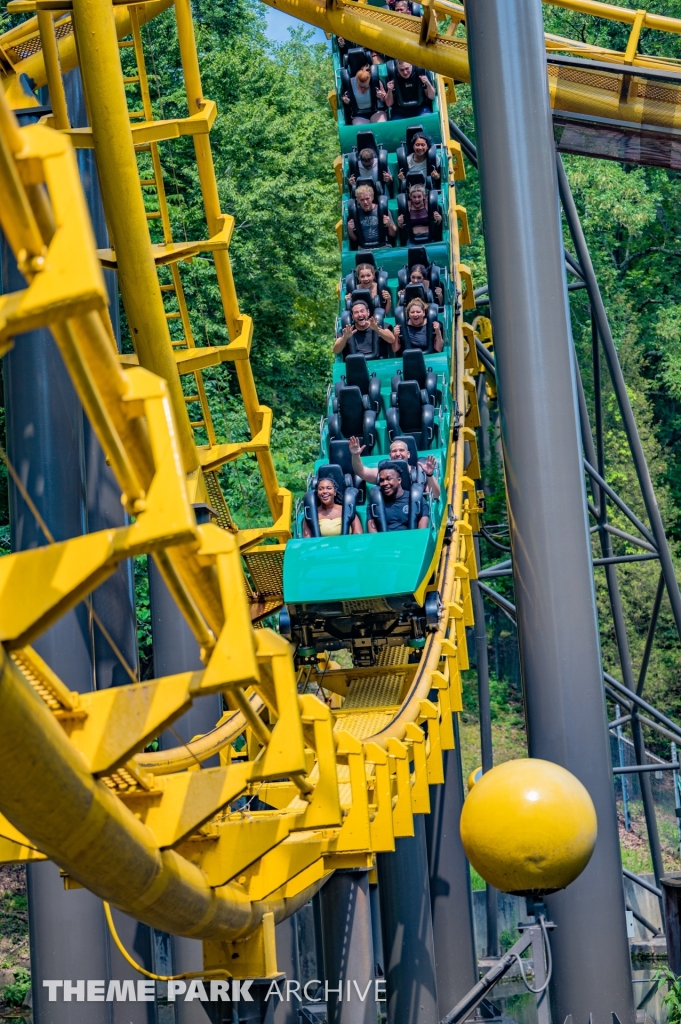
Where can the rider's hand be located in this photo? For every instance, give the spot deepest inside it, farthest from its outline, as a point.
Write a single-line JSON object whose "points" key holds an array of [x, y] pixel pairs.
{"points": [[428, 466]]}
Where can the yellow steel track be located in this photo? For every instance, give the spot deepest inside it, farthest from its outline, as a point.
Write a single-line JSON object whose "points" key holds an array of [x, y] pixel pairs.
{"points": [[142, 830]]}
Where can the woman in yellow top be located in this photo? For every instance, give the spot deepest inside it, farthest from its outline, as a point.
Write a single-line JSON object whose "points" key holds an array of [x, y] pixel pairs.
{"points": [[330, 512]]}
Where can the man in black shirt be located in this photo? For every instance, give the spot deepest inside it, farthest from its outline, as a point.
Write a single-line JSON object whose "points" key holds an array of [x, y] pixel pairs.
{"points": [[362, 335], [367, 221], [396, 504]]}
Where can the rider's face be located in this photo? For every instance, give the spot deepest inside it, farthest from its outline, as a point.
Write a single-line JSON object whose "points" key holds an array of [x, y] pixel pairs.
{"points": [[389, 482], [326, 492], [399, 450], [360, 316], [416, 315]]}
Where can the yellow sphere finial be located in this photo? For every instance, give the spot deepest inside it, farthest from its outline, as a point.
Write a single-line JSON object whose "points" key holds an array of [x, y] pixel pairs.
{"points": [[528, 826], [474, 777]]}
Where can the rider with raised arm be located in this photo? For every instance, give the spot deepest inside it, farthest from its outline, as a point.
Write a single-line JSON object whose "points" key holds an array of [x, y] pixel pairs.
{"points": [[361, 336], [398, 450]]}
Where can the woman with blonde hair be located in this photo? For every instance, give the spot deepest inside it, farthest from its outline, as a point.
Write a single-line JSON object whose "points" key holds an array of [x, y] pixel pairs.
{"points": [[365, 276], [415, 221], [417, 332]]}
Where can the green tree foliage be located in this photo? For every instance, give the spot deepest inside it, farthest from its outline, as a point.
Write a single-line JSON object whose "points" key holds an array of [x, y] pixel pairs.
{"points": [[672, 998], [15, 993], [274, 142]]}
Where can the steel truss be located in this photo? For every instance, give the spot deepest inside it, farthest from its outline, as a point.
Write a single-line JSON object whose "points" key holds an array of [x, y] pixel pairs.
{"points": [[652, 540]]}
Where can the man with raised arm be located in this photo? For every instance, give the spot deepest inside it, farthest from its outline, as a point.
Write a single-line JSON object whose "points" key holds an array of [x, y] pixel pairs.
{"points": [[363, 334], [398, 450]]}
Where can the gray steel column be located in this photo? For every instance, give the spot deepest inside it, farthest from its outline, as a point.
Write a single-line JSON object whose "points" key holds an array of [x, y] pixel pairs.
{"points": [[486, 747], [187, 956], [408, 930], [140, 942], [288, 961], [375, 900], [348, 948], [483, 431], [68, 939], [450, 889], [176, 650], [114, 600], [558, 632], [45, 445]]}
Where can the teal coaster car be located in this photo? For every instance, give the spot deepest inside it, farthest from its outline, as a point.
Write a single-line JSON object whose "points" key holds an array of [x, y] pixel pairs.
{"points": [[370, 592]]}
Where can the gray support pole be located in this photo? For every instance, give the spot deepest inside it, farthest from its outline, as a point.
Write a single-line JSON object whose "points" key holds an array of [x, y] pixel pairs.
{"points": [[648, 801], [538, 954], [407, 926], [45, 445], [558, 632], [286, 938], [114, 600], [176, 650], [450, 889], [68, 939], [652, 625], [67, 930], [139, 940], [486, 747], [375, 900], [483, 432], [348, 948], [319, 934], [187, 956]]}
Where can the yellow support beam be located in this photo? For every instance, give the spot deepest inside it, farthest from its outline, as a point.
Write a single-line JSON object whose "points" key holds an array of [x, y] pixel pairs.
{"points": [[340, 797]]}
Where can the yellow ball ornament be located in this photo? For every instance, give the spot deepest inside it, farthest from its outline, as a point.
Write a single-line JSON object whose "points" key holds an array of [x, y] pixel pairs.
{"points": [[474, 777], [528, 826]]}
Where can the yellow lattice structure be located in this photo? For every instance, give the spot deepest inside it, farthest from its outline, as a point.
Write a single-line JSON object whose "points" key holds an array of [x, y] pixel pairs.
{"points": [[140, 829]]}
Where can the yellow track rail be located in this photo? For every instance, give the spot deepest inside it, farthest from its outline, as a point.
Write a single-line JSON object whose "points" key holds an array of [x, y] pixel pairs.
{"points": [[433, 42], [141, 830]]}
